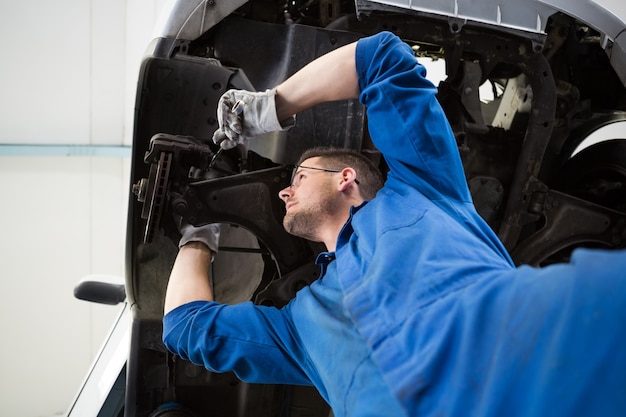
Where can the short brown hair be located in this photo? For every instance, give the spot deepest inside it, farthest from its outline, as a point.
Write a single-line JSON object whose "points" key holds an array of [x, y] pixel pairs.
{"points": [[369, 176]]}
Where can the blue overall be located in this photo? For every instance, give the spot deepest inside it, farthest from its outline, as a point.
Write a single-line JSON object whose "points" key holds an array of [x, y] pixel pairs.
{"points": [[420, 311]]}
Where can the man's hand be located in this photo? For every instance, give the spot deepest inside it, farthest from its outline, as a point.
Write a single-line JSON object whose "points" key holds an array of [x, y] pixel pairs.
{"points": [[189, 279], [244, 114], [209, 234]]}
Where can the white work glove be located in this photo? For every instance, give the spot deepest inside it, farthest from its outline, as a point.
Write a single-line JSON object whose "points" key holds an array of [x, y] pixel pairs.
{"points": [[209, 234], [244, 114]]}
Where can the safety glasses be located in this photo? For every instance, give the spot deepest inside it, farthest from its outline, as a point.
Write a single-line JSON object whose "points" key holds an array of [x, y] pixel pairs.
{"points": [[296, 178]]}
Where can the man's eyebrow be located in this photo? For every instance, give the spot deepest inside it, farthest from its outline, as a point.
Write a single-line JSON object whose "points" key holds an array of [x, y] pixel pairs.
{"points": [[296, 171]]}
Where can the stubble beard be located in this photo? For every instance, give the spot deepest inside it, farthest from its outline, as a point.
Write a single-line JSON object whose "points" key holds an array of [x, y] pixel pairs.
{"points": [[306, 222], [303, 224]]}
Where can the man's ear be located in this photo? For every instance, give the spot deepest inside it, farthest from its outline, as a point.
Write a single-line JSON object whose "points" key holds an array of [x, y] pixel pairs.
{"points": [[348, 176]]}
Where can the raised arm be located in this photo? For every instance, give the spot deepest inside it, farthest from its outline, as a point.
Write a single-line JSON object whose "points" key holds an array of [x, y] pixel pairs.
{"points": [[243, 115], [330, 77], [405, 120]]}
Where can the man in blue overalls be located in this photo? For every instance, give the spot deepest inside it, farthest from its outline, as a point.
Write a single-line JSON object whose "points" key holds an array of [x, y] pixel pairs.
{"points": [[419, 310]]}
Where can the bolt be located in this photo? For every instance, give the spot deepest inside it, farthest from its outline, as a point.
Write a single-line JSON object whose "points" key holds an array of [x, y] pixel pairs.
{"points": [[139, 189], [180, 206]]}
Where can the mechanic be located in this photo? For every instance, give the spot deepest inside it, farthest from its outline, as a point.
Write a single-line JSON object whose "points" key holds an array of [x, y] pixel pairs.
{"points": [[419, 309]]}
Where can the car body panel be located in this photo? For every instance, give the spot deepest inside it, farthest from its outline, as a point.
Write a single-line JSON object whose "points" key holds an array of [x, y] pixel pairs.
{"points": [[188, 20], [102, 393]]}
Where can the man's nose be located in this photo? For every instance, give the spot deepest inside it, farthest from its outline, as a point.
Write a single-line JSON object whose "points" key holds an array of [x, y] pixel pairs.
{"points": [[285, 193]]}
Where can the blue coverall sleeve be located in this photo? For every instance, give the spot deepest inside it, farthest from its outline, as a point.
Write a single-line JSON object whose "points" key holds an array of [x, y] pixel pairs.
{"points": [[405, 121], [257, 343]]}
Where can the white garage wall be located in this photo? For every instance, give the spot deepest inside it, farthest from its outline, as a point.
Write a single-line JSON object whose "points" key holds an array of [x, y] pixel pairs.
{"points": [[62, 219], [68, 75]]}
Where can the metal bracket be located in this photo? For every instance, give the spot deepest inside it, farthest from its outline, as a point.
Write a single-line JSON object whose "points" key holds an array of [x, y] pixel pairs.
{"points": [[248, 199], [536, 140], [570, 221]]}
